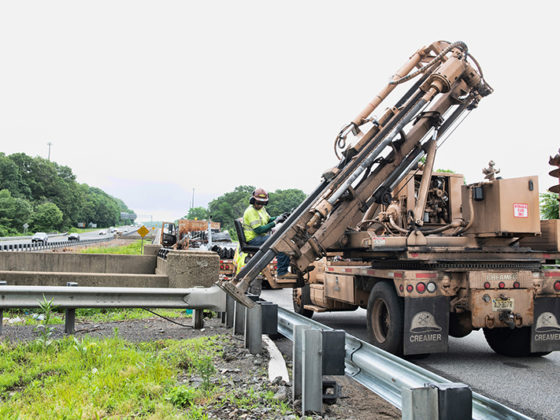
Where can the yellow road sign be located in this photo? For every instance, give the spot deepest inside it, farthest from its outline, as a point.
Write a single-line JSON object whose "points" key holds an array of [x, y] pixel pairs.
{"points": [[143, 231]]}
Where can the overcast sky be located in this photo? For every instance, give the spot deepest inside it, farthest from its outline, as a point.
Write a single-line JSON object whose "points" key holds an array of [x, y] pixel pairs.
{"points": [[150, 100]]}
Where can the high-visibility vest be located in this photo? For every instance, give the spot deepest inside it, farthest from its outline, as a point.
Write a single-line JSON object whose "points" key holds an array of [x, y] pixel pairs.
{"points": [[239, 260], [252, 219]]}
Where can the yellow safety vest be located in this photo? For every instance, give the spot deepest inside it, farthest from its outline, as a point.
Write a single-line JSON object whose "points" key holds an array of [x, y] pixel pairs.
{"points": [[252, 219]]}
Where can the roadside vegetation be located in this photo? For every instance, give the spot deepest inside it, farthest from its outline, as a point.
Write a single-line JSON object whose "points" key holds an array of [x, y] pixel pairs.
{"points": [[114, 378]]}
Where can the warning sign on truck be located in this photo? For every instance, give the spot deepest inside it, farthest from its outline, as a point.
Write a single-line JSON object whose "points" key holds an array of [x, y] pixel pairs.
{"points": [[520, 210]]}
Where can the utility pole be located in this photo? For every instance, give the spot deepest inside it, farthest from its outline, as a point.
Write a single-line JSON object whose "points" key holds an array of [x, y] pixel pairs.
{"points": [[192, 200], [49, 144]]}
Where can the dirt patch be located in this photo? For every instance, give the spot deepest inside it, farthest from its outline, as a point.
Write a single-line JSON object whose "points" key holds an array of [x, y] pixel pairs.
{"points": [[238, 369]]}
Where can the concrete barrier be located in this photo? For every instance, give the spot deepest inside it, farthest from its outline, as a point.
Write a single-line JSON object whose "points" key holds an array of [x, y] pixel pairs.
{"points": [[77, 263], [42, 278], [190, 268]]}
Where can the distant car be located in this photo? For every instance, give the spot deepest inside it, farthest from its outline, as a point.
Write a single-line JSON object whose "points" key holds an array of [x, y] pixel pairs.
{"points": [[40, 237], [74, 237], [102, 232], [113, 230]]}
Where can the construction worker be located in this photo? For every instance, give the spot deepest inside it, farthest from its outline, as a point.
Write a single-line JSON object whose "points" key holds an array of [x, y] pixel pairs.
{"points": [[257, 226]]}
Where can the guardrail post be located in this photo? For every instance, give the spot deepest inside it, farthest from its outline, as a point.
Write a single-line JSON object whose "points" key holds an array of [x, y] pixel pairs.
{"points": [[198, 319], [2, 283], [253, 329], [312, 372], [269, 318], [297, 355], [230, 309], [238, 319], [449, 401], [70, 317]]}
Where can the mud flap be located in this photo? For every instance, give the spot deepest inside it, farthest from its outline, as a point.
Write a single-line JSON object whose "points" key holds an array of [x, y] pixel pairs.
{"points": [[426, 325], [545, 332]]}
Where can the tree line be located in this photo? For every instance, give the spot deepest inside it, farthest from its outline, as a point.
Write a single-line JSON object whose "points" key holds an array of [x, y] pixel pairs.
{"points": [[231, 205], [45, 196]]}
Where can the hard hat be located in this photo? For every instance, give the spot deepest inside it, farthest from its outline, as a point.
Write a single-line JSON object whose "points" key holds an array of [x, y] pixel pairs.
{"points": [[547, 322], [260, 196], [424, 322]]}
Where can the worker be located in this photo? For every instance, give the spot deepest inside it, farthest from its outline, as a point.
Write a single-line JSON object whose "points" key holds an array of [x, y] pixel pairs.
{"points": [[257, 226]]}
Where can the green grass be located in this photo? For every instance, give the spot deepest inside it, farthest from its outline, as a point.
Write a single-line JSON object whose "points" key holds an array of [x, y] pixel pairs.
{"points": [[134, 248], [94, 315], [114, 378]]}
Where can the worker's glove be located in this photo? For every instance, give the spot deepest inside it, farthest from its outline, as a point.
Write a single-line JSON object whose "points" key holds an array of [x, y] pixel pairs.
{"points": [[281, 218]]}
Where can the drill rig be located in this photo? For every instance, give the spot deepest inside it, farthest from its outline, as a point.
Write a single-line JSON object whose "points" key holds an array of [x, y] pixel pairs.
{"points": [[426, 255]]}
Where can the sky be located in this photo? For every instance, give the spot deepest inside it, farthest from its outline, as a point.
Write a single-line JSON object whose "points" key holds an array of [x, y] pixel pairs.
{"points": [[168, 103]]}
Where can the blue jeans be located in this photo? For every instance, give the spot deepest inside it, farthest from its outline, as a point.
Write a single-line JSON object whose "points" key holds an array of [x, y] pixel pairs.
{"points": [[282, 259]]}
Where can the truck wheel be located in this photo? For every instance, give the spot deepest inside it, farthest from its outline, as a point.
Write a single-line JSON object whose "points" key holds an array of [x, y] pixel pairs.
{"points": [[512, 343], [301, 297], [385, 318]]}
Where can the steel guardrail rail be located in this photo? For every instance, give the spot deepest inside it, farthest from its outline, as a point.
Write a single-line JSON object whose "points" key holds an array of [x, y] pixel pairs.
{"points": [[212, 298], [386, 374], [30, 247]]}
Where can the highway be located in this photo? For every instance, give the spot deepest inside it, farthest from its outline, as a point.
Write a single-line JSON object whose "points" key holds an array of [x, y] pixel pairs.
{"points": [[98, 234], [528, 385]]}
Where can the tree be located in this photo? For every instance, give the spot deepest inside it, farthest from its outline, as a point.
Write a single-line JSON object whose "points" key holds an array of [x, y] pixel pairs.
{"points": [[14, 212], [197, 213], [47, 217], [549, 205], [281, 201]]}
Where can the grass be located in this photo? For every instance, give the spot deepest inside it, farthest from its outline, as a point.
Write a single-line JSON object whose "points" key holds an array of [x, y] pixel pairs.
{"points": [[134, 248], [114, 378]]}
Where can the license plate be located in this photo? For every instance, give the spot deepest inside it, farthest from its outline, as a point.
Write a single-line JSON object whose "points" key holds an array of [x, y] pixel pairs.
{"points": [[502, 304]]}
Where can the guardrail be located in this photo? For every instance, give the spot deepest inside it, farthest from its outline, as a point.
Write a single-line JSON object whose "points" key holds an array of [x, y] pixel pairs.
{"points": [[50, 245], [71, 298], [388, 375]]}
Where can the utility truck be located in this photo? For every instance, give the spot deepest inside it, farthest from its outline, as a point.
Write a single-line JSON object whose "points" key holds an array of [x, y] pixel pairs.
{"points": [[428, 256]]}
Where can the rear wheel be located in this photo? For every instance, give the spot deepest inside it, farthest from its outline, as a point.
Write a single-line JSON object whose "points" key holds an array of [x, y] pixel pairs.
{"points": [[302, 296], [512, 343], [385, 318]]}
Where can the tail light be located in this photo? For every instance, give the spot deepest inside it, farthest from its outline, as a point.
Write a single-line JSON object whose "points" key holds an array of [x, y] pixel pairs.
{"points": [[516, 285], [501, 285], [557, 286], [409, 288], [221, 267], [431, 287], [487, 285], [420, 287]]}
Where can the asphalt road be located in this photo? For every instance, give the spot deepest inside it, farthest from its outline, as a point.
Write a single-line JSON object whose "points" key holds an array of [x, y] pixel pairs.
{"points": [[529, 385], [99, 234]]}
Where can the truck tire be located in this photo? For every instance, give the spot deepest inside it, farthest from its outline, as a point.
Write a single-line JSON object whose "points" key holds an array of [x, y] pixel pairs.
{"points": [[301, 297], [512, 343], [385, 318]]}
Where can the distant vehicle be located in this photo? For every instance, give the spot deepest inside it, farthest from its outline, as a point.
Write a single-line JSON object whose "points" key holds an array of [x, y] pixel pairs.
{"points": [[74, 237], [102, 232], [40, 237], [113, 230]]}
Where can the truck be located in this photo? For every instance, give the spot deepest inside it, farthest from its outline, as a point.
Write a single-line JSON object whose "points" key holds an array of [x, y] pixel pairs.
{"points": [[425, 254]]}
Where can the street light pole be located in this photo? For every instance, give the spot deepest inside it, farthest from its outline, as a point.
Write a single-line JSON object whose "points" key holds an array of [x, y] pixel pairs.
{"points": [[49, 144]]}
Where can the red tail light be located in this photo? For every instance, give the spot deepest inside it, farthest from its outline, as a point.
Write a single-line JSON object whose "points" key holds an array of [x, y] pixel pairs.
{"points": [[409, 288], [401, 288], [557, 286], [487, 285], [501, 285], [516, 285], [420, 287], [221, 267]]}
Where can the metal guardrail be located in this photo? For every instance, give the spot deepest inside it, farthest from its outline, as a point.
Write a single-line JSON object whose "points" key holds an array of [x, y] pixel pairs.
{"points": [[387, 375], [212, 298], [50, 245]]}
